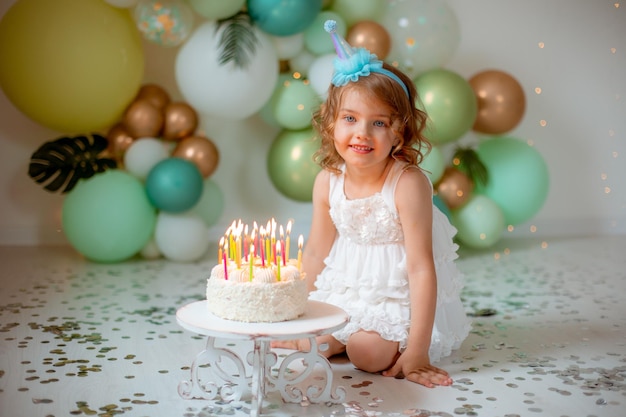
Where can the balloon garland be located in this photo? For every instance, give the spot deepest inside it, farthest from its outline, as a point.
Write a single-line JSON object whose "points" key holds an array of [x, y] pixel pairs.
{"points": [[277, 50]]}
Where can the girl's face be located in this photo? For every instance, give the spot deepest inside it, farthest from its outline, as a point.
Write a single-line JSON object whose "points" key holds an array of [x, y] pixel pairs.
{"points": [[363, 130]]}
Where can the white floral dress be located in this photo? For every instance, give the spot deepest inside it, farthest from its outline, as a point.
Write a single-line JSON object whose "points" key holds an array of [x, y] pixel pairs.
{"points": [[365, 271]]}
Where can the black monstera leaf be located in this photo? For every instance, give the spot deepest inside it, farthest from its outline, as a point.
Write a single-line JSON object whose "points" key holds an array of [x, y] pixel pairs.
{"points": [[62, 162]]}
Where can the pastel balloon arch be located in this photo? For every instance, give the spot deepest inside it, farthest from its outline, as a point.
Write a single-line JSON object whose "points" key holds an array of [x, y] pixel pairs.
{"points": [[137, 169]]}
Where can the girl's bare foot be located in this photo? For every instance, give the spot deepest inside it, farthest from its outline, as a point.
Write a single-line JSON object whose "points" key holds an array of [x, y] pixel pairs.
{"points": [[327, 345]]}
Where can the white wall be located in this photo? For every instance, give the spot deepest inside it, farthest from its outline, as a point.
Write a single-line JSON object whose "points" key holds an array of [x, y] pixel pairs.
{"points": [[583, 92]]}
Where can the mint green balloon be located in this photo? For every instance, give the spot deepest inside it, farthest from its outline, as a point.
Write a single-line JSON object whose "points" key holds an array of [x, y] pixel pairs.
{"points": [[290, 163], [108, 217], [294, 103], [518, 177], [211, 204], [450, 103], [216, 9], [434, 164], [316, 39], [354, 11], [480, 222]]}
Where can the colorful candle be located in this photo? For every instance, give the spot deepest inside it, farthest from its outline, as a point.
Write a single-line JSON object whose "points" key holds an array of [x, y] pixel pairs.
{"points": [[300, 243], [278, 261], [225, 261], [261, 246], [287, 253], [219, 251], [251, 261]]}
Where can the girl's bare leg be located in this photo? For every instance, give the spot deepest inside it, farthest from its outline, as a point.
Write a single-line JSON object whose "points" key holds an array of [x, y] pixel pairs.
{"points": [[370, 352], [304, 345]]}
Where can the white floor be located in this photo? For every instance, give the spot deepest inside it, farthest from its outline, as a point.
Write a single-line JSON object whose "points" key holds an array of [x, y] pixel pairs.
{"points": [[549, 338]]}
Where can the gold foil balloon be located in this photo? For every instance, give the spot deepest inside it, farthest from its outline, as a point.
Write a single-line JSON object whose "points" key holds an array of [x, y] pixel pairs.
{"points": [[119, 140], [454, 188], [142, 119], [501, 102], [156, 95], [371, 36], [199, 150], [181, 120]]}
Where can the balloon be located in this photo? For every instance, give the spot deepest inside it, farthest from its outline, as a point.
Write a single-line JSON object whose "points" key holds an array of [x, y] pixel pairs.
{"points": [[142, 119], [143, 155], [518, 177], [316, 39], [371, 36], [174, 185], [70, 65], [119, 141], [479, 223], [302, 62], [290, 163], [450, 103], [433, 164], [122, 3], [454, 188], [425, 34], [180, 121], [267, 111], [229, 92], [501, 101], [199, 150], [211, 204], [181, 237], [288, 47], [216, 9], [283, 17], [294, 104], [164, 22], [154, 94], [438, 202], [150, 250], [108, 217], [355, 11], [321, 74]]}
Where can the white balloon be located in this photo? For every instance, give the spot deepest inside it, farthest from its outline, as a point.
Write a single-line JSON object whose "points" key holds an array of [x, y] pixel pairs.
{"points": [[302, 62], [424, 34], [181, 237], [143, 154], [122, 3], [225, 90], [288, 47], [321, 74]]}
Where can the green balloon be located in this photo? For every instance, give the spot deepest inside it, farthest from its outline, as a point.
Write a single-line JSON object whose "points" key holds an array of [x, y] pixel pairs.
{"points": [[316, 39], [294, 104], [450, 103], [108, 217], [434, 164], [216, 9], [290, 163], [518, 177], [355, 11], [480, 222], [211, 204]]}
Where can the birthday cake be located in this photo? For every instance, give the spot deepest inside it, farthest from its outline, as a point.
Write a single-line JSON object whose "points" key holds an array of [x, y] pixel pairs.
{"points": [[256, 286]]}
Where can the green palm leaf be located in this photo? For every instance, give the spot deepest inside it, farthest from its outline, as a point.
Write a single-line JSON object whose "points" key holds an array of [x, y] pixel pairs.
{"points": [[63, 162], [468, 162], [238, 40]]}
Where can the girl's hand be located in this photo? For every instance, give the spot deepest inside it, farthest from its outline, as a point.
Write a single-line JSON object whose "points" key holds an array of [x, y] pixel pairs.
{"points": [[419, 370]]}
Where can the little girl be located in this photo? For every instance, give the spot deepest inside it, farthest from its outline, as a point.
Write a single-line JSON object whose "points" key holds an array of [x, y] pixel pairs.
{"points": [[378, 247]]}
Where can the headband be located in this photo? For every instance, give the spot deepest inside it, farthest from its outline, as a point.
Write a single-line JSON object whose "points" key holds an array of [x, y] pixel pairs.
{"points": [[352, 63]]}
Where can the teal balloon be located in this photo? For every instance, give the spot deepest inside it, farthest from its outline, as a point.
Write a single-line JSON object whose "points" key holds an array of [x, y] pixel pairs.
{"points": [[294, 104], [450, 103], [316, 39], [108, 217], [174, 185], [479, 222], [283, 17], [290, 163], [211, 204], [518, 177], [439, 203]]}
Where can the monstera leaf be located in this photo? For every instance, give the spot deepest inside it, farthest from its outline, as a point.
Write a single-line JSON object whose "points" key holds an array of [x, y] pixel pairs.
{"points": [[237, 40], [468, 162], [62, 162]]}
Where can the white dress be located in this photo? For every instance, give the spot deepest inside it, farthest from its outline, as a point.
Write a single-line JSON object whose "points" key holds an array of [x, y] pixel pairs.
{"points": [[365, 271]]}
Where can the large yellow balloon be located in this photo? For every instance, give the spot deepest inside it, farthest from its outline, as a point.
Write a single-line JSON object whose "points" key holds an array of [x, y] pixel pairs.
{"points": [[71, 65]]}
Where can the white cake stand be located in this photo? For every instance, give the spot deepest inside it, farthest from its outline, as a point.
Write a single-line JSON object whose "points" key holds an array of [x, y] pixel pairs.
{"points": [[318, 319]]}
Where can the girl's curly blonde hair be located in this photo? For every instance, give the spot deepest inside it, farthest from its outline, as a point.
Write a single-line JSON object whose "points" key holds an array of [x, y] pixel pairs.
{"points": [[412, 147]]}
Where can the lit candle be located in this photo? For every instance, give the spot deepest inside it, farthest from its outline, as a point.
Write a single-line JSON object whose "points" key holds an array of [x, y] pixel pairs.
{"points": [[219, 252], [277, 261], [262, 246], [288, 240], [300, 243], [282, 245], [251, 261], [225, 262], [238, 251]]}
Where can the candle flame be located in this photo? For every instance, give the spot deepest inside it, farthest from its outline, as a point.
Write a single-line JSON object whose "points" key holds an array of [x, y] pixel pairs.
{"points": [[300, 242]]}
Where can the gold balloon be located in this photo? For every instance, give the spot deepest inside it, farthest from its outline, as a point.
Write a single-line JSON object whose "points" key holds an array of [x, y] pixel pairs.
{"points": [[501, 101], [142, 119], [454, 188], [156, 95], [201, 151], [181, 121], [119, 140], [371, 36]]}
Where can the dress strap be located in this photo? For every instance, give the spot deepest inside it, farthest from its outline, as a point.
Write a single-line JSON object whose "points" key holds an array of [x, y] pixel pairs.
{"points": [[336, 185]]}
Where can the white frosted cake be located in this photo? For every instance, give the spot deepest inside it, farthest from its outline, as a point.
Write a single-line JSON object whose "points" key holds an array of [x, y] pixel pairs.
{"points": [[257, 296]]}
